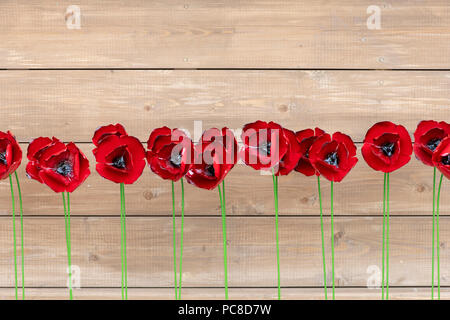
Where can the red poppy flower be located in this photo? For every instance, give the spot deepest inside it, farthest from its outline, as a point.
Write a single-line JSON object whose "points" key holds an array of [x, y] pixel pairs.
{"points": [[387, 147], [427, 138], [441, 157], [333, 156], [170, 153], [62, 167], [120, 157], [215, 156], [10, 154], [111, 129], [306, 138], [265, 144]]}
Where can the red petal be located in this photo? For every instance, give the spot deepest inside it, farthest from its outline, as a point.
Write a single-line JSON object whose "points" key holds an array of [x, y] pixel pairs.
{"points": [[257, 125], [107, 146], [108, 130], [378, 129], [347, 141], [155, 134], [292, 155], [442, 150], [54, 181], [303, 134], [371, 159], [38, 145], [54, 149], [304, 166], [406, 148]]}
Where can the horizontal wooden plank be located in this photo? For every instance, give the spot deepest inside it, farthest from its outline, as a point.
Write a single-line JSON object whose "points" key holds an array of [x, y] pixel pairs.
{"points": [[224, 34], [72, 104], [410, 293], [252, 257], [248, 193]]}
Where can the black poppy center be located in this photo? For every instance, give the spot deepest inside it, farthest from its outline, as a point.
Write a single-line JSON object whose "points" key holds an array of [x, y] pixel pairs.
{"points": [[433, 144], [3, 158], [175, 160], [64, 168], [446, 160], [332, 159], [388, 149], [119, 162], [265, 148], [209, 169]]}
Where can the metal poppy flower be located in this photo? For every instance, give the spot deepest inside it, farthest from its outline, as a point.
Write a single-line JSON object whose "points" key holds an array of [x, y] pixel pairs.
{"points": [[10, 154], [427, 138], [215, 156], [387, 146], [333, 156], [120, 157], [306, 138], [170, 153], [264, 145], [62, 167]]}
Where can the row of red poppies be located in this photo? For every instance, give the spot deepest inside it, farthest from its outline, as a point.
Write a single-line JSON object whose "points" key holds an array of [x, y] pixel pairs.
{"points": [[121, 157]]}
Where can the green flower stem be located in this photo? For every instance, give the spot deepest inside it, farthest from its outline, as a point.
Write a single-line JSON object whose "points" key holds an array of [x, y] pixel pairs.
{"points": [[181, 238], [432, 242], [224, 235], [68, 242], [174, 243], [437, 239], [124, 223], [21, 234], [323, 240], [275, 193], [387, 236], [332, 240], [122, 283], [14, 235], [383, 263]]}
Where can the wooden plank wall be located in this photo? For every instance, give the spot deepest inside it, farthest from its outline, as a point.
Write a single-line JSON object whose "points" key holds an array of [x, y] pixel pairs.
{"points": [[152, 63]]}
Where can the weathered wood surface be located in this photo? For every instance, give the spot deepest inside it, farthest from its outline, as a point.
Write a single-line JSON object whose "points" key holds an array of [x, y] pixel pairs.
{"points": [[71, 104], [411, 293], [224, 34], [252, 257], [261, 35]]}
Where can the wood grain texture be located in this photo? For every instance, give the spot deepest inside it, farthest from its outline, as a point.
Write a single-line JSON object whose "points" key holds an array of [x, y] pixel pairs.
{"points": [[251, 41], [248, 193], [410, 293], [71, 104], [225, 34], [251, 248]]}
